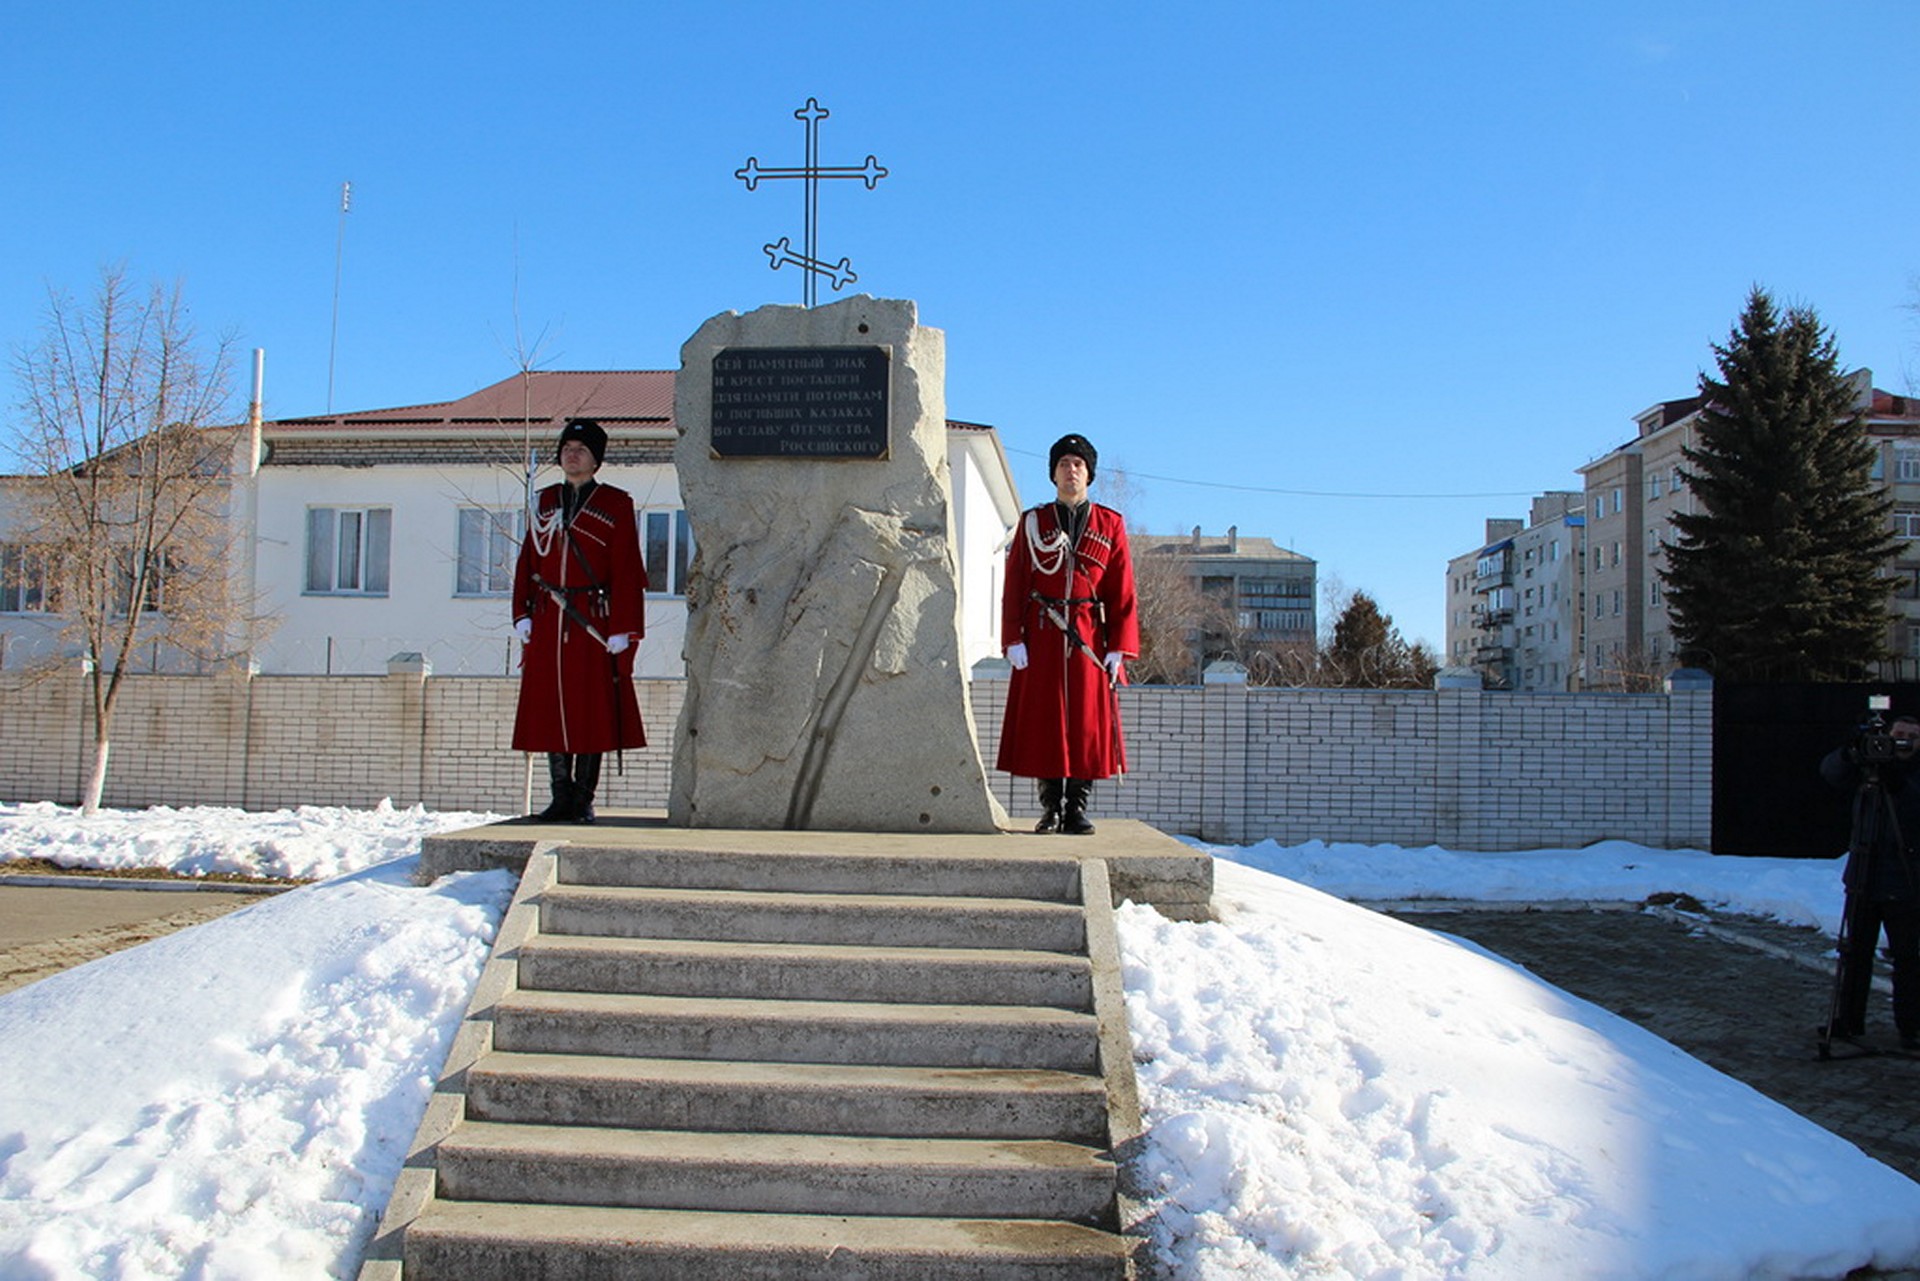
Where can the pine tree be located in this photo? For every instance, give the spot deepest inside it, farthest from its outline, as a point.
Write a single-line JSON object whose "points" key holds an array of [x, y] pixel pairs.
{"points": [[1778, 574], [1367, 651]]}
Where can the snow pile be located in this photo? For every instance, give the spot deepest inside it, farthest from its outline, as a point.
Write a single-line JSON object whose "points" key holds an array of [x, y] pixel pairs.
{"points": [[312, 842], [1334, 1093], [1793, 890], [235, 1100]]}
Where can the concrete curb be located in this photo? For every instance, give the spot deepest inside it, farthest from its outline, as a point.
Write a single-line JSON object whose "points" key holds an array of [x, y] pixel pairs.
{"points": [[44, 882]]}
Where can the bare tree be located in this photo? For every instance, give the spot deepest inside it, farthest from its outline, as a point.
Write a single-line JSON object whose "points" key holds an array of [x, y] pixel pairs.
{"points": [[1173, 615], [125, 423]]}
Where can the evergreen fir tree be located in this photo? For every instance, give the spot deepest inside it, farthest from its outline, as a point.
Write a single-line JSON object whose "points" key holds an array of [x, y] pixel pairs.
{"points": [[1367, 651], [1778, 575]]}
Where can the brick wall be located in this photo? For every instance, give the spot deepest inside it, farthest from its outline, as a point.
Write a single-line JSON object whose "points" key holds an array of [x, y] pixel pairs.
{"points": [[1224, 761]]}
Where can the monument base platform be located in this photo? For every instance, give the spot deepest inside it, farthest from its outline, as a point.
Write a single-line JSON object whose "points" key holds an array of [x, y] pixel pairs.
{"points": [[1144, 864]]}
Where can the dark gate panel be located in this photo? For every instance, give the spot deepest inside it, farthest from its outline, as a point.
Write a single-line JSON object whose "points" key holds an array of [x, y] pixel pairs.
{"points": [[1767, 743]]}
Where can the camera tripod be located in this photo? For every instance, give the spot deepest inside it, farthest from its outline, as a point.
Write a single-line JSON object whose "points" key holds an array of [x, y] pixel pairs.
{"points": [[1873, 818]]}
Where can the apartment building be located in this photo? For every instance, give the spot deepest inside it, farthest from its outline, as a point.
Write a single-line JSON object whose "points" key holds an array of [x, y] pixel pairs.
{"points": [[1633, 492], [1267, 591], [1514, 604]]}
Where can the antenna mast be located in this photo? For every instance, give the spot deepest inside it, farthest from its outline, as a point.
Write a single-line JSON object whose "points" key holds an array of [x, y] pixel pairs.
{"points": [[339, 252]]}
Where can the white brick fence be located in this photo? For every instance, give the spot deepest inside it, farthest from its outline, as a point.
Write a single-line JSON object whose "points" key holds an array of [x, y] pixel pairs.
{"points": [[1224, 761]]}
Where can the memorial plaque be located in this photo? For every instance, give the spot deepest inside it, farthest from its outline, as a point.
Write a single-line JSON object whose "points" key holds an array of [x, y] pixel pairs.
{"points": [[800, 402]]}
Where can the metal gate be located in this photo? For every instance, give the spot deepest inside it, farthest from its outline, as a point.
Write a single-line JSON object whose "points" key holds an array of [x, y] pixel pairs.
{"points": [[1768, 797]]}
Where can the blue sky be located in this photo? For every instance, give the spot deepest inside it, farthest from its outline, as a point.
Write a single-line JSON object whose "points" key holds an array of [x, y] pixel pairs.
{"points": [[1353, 277]]}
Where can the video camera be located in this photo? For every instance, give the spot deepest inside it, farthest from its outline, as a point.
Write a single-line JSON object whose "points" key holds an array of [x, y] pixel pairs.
{"points": [[1872, 744]]}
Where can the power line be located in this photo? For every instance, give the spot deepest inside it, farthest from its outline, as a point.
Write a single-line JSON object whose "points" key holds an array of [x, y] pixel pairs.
{"points": [[1298, 493]]}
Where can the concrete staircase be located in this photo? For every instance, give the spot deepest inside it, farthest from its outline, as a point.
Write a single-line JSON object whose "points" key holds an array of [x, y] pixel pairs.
{"points": [[748, 1063]]}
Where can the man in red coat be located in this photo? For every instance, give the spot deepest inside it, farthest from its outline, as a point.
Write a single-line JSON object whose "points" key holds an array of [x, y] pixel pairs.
{"points": [[1068, 623], [579, 604]]}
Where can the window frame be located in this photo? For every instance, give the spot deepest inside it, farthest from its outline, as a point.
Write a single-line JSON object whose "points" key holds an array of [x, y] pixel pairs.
{"points": [[373, 525], [494, 569]]}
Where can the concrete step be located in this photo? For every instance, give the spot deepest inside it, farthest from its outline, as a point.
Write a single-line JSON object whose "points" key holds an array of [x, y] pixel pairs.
{"points": [[1051, 878], [796, 1031], [806, 971], [776, 1173], [878, 920], [775, 1098], [490, 1241]]}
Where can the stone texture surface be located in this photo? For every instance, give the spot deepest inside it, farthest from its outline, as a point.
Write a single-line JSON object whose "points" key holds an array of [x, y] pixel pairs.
{"points": [[824, 683]]}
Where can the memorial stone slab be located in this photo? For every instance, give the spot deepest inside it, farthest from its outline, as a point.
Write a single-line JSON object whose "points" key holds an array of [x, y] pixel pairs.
{"points": [[825, 688]]}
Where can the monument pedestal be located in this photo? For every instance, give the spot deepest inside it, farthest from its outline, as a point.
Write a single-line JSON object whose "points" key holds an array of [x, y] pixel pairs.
{"points": [[825, 687]]}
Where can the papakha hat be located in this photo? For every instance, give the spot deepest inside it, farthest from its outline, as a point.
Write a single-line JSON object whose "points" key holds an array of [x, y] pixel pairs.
{"points": [[588, 433], [1073, 443]]}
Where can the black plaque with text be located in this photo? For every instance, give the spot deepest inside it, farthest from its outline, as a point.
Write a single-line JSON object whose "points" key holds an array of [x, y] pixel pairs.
{"points": [[800, 402]]}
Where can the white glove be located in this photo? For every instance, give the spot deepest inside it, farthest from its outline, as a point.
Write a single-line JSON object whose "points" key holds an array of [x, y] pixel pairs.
{"points": [[523, 628], [618, 642], [1017, 655], [1113, 664]]}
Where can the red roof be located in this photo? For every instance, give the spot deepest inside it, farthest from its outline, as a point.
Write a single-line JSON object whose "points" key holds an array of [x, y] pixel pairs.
{"points": [[1887, 405], [614, 396]]}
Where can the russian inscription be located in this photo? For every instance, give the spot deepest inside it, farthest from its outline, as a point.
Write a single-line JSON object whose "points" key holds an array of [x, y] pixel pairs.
{"points": [[800, 402]]}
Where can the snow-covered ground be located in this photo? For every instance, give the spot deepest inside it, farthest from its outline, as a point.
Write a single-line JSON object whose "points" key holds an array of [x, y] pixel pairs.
{"points": [[1329, 1092]]}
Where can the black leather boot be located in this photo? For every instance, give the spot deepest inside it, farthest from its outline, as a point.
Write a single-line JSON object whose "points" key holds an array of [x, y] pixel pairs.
{"points": [[1049, 805], [586, 781], [560, 779], [1074, 820]]}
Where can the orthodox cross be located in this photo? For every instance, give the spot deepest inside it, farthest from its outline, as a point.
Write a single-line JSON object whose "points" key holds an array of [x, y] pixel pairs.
{"points": [[808, 257]]}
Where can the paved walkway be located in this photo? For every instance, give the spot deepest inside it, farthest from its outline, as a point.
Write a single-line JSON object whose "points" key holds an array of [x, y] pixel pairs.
{"points": [[45, 929], [1740, 994]]}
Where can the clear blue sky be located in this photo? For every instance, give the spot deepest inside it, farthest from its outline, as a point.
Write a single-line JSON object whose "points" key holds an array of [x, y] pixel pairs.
{"points": [[1354, 277]]}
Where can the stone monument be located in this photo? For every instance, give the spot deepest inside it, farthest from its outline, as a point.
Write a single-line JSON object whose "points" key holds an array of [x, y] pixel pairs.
{"points": [[825, 688]]}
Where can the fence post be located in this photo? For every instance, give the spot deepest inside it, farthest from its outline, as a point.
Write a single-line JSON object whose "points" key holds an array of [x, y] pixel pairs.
{"points": [[407, 674], [1689, 782], [1224, 782], [1456, 758]]}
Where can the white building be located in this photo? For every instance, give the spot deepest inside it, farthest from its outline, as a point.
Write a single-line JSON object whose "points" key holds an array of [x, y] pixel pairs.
{"points": [[365, 535]]}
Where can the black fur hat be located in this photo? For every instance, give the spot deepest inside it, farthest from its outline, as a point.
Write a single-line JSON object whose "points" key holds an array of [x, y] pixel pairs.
{"points": [[1073, 443], [588, 433]]}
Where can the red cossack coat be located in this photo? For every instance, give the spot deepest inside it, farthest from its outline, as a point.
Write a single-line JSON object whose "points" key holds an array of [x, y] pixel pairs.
{"points": [[574, 696], [1063, 721]]}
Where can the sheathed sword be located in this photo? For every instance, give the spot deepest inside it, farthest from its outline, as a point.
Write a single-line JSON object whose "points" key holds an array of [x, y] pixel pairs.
{"points": [[566, 607], [1059, 620]]}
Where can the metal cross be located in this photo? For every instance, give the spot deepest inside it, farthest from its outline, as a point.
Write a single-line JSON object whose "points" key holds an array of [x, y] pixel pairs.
{"points": [[808, 259]]}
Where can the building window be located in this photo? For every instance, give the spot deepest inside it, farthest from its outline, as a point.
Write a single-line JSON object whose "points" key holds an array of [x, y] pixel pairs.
{"points": [[1599, 508], [23, 580], [151, 585], [1616, 602], [1906, 522], [1653, 590], [1656, 485], [489, 539], [1675, 485], [1553, 551], [1599, 605], [348, 550], [669, 550], [1616, 500], [1906, 463], [1599, 557]]}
